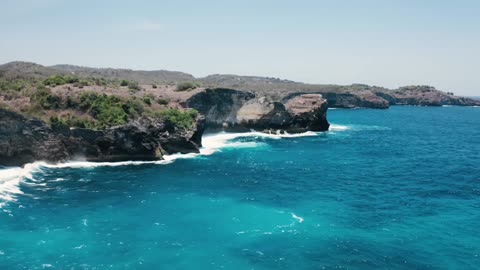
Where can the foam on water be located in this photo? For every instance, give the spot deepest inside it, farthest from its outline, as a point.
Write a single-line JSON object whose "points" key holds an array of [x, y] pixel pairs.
{"points": [[300, 219], [10, 178], [334, 127]]}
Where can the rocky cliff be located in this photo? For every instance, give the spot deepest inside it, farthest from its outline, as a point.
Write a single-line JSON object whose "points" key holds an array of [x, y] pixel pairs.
{"points": [[234, 110], [162, 83], [141, 115], [342, 96], [426, 96], [24, 140]]}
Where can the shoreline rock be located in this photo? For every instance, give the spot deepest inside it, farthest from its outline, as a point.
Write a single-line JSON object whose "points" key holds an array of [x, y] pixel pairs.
{"points": [[25, 140], [233, 110]]}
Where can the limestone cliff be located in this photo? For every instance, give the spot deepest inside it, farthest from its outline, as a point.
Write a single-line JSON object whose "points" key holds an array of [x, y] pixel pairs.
{"points": [[234, 110]]}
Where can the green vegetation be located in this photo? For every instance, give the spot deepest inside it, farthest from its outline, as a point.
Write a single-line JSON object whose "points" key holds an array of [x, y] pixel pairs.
{"points": [[162, 101], [55, 98], [81, 83], [13, 85], [59, 80], [45, 99], [108, 110], [134, 86], [182, 119], [148, 99], [90, 109], [72, 121], [77, 82], [187, 86]]}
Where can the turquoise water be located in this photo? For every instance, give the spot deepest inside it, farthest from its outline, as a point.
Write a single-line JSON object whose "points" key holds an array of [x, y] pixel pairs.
{"points": [[385, 189]]}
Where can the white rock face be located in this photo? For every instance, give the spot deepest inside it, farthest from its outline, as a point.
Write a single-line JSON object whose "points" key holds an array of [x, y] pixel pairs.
{"points": [[254, 110], [304, 103]]}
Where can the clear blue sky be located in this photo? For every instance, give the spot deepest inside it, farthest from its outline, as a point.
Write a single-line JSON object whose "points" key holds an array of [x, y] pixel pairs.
{"points": [[387, 43]]}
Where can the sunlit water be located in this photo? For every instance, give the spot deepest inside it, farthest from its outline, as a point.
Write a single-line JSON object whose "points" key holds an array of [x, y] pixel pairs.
{"points": [[385, 189]]}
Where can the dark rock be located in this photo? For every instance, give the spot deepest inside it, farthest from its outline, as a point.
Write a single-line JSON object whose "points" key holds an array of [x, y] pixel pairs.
{"points": [[219, 106], [24, 140], [423, 95], [348, 100]]}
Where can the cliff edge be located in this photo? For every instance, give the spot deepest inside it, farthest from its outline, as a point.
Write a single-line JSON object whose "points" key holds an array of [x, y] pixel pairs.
{"points": [[26, 139]]}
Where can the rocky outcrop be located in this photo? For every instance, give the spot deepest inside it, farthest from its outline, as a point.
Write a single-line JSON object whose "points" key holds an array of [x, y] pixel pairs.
{"points": [[423, 95], [349, 100], [233, 110], [309, 112], [24, 140], [219, 106]]}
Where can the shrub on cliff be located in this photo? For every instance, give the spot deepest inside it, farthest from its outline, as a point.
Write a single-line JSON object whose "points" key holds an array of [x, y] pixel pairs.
{"points": [[186, 86], [133, 107], [81, 83], [59, 80], [109, 110], [13, 85], [162, 101], [132, 85], [182, 119], [45, 99], [72, 121], [148, 99]]}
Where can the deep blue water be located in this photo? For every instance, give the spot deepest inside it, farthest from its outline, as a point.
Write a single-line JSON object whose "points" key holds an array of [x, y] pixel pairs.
{"points": [[388, 189]]}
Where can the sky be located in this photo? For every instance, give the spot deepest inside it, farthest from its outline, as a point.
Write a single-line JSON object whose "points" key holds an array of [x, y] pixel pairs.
{"points": [[384, 43]]}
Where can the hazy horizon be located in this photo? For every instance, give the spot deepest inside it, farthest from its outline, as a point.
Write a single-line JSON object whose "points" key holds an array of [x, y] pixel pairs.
{"points": [[383, 43]]}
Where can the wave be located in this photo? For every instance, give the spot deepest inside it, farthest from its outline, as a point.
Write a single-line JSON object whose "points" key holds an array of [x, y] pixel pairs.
{"points": [[10, 178], [300, 219], [334, 127]]}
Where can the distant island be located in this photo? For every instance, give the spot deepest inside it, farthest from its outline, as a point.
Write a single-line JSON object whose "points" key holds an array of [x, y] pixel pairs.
{"points": [[66, 112]]}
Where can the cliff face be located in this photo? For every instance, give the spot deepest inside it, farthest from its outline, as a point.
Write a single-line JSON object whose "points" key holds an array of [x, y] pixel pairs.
{"points": [[348, 100], [161, 84], [234, 110], [378, 98], [24, 140], [428, 96]]}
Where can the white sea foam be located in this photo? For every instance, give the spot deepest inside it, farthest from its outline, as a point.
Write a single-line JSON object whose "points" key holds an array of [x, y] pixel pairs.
{"points": [[10, 178], [334, 127], [300, 219]]}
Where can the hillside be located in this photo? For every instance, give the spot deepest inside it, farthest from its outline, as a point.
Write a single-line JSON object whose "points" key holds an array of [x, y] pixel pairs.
{"points": [[51, 91], [65, 113]]}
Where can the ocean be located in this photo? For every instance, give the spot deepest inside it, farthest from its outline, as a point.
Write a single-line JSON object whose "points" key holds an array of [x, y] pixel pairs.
{"points": [[383, 189]]}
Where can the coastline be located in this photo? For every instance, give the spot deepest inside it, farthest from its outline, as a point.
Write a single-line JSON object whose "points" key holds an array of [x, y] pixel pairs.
{"points": [[11, 177]]}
